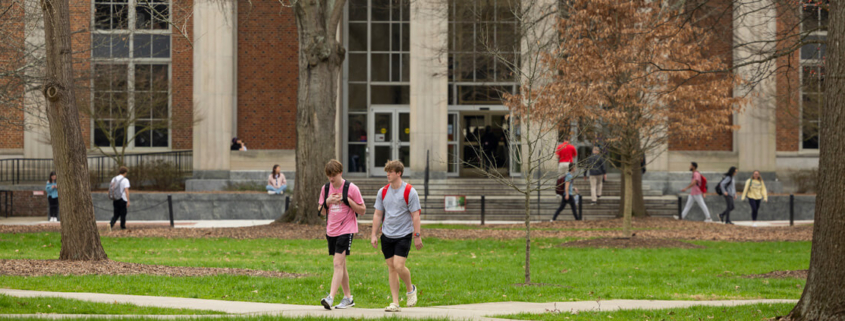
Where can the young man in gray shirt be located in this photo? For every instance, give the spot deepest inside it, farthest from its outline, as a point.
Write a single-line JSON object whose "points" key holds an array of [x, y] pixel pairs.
{"points": [[398, 214]]}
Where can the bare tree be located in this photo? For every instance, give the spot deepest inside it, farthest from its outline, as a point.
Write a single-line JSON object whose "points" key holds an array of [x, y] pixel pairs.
{"points": [[80, 237], [321, 55], [517, 54], [825, 289]]}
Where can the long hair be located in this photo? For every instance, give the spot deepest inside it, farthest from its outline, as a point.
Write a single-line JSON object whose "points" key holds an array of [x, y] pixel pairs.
{"points": [[731, 171], [50, 179], [274, 172], [758, 174]]}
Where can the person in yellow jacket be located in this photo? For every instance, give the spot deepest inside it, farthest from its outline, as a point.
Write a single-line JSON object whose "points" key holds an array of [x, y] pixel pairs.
{"points": [[755, 191]]}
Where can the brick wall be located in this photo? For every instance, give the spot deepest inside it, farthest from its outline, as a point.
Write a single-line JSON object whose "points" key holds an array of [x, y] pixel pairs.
{"points": [[267, 75], [27, 204], [716, 18], [182, 81], [80, 25], [788, 81], [11, 92]]}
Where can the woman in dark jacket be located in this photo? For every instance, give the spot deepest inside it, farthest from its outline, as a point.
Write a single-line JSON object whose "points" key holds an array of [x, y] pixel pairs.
{"points": [[728, 186]]}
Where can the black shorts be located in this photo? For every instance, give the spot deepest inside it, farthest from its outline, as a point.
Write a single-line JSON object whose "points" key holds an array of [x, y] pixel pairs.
{"points": [[340, 243], [396, 247]]}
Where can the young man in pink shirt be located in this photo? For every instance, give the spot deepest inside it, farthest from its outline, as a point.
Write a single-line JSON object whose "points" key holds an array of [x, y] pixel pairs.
{"points": [[695, 193], [565, 153], [341, 225]]}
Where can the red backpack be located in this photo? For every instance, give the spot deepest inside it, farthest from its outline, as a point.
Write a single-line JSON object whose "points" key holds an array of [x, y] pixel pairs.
{"points": [[407, 194], [702, 184]]}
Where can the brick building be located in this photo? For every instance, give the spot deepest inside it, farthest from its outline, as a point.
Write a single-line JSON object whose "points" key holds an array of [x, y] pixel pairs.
{"points": [[211, 71]]}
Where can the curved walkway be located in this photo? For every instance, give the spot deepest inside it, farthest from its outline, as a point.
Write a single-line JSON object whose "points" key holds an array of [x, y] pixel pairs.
{"points": [[479, 311]]}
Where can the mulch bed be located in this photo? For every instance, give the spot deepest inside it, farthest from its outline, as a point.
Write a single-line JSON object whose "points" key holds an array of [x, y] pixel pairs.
{"points": [[799, 274], [107, 267], [657, 228], [632, 243]]}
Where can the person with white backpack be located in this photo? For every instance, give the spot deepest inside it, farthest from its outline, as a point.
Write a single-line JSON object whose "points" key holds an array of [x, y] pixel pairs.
{"points": [[119, 194]]}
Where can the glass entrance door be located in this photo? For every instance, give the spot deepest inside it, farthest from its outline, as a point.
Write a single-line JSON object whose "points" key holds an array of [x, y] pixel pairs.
{"points": [[391, 128]]}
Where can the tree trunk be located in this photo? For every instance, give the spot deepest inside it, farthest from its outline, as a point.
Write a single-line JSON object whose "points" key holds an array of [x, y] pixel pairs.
{"points": [[639, 209], [824, 293], [627, 204], [320, 58], [528, 233], [80, 238]]}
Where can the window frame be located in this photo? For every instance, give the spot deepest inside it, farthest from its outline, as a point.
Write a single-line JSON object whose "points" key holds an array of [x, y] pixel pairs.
{"points": [[131, 62]]}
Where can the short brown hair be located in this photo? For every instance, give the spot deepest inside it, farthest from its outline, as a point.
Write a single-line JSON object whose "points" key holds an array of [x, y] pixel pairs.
{"points": [[123, 170], [395, 166], [333, 167]]}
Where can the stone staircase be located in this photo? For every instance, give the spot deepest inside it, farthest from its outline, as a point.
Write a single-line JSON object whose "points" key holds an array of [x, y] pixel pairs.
{"points": [[503, 203]]}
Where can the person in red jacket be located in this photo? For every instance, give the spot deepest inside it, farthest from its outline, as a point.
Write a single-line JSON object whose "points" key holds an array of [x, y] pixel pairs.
{"points": [[565, 153]]}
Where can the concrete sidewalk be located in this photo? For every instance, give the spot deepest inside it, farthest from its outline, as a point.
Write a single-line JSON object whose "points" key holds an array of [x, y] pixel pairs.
{"points": [[481, 311], [38, 220]]}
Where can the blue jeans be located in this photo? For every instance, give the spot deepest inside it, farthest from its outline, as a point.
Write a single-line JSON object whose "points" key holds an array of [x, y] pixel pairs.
{"points": [[277, 190]]}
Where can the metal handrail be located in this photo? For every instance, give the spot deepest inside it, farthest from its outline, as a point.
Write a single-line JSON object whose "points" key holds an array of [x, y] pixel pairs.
{"points": [[16, 170]]}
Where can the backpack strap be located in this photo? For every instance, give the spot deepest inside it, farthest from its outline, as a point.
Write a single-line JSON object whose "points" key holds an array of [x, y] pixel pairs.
{"points": [[346, 193], [407, 192], [384, 191], [325, 199]]}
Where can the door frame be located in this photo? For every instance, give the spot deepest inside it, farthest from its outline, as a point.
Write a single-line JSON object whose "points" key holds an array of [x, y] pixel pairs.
{"points": [[395, 144]]}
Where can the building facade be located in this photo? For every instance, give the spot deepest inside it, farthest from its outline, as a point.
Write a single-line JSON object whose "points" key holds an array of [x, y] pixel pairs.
{"points": [[417, 81]]}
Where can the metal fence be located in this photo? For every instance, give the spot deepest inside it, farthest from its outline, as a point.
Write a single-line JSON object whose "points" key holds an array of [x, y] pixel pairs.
{"points": [[102, 168]]}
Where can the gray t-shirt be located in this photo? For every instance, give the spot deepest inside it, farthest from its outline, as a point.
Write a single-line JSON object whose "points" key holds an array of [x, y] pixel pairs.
{"points": [[397, 215]]}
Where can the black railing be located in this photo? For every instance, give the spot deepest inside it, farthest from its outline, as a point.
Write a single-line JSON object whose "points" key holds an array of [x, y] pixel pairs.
{"points": [[102, 168]]}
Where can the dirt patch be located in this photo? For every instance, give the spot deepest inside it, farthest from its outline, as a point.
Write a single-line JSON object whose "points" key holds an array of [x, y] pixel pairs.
{"points": [[798, 274], [53, 267], [632, 243], [645, 228]]}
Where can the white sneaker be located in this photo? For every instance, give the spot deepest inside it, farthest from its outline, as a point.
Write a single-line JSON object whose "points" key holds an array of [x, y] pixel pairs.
{"points": [[754, 224], [411, 297], [708, 221], [271, 192], [393, 307]]}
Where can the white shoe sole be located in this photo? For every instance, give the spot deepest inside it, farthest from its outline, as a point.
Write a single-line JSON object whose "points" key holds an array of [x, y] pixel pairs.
{"points": [[348, 306]]}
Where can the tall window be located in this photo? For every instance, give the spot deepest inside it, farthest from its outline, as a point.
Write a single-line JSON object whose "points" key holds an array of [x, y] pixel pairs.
{"points": [[814, 24], [483, 47], [131, 66], [378, 62]]}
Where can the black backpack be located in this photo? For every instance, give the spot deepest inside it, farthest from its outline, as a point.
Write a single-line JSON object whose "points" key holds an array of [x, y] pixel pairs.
{"points": [[719, 190], [345, 198]]}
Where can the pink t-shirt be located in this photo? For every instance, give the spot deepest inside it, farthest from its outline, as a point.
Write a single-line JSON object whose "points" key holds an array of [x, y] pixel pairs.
{"points": [[696, 190], [342, 218]]}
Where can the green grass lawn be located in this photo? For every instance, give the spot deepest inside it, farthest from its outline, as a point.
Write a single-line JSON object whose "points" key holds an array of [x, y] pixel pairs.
{"points": [[745, 312], [17, 305], [446, 271]]}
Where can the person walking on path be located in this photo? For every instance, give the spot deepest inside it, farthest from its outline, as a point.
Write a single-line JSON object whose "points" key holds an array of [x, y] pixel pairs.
{"points": [[696, 194], [119, 193], [276, 183], [565, 153], [727, 186], [565, 189], [597, 174], [341, 202], [397, 215], [755, 190], [52, 190]]}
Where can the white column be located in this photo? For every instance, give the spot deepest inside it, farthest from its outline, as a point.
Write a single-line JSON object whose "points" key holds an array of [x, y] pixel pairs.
{"points": [[429, 86], [36, 135], [540, 39], [755, 139], [214, 86]]}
